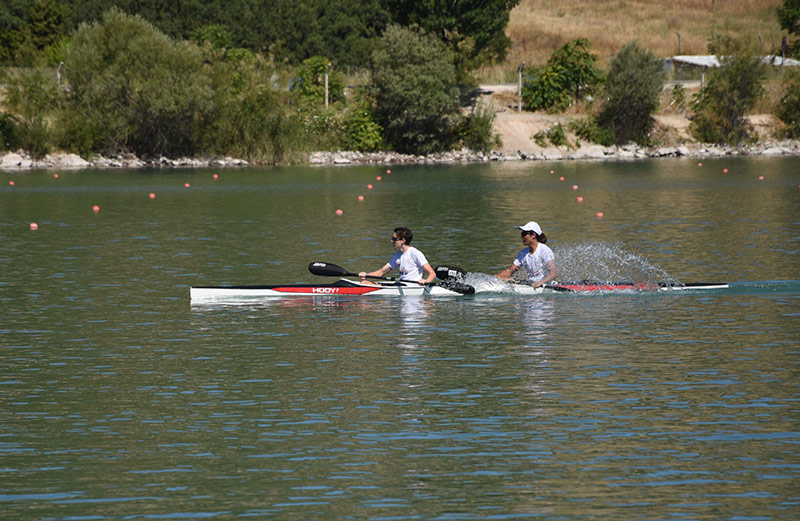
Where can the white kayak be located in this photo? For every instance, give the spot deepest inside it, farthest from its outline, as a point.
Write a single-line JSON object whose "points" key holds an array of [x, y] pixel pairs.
{"points": [[451, 285], [342, 287]]}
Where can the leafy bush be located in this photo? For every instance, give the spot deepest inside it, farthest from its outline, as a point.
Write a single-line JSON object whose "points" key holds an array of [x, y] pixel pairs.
{"points": [[476, 130], [249, 117], [361, 131], [587, 128], [311, 81], [33, 96], [789, 108], [414, 84], [9, 136], [789, 20], [135, 89], [679, 97], [731, 90], [633, 93], [556, 135], [569, 75]]}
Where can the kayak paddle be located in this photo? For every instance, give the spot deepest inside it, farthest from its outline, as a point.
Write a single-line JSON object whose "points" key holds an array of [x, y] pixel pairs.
{"points": [[454, 274], [326, 269]]}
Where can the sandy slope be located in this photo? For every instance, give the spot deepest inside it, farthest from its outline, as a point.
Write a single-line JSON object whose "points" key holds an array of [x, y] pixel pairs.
{"points": [[516, 129]]}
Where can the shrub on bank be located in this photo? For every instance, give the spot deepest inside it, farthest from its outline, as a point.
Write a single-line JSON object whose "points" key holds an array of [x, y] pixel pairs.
{"points": [[789, 109], [415, 91], [730, 92], [31, 96], [569, 75], [632, 94], [135, 88]]}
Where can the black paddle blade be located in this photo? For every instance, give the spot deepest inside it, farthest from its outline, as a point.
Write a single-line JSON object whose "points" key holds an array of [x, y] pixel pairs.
{"points": [[450, 273], [458, 287], [327, 270]]}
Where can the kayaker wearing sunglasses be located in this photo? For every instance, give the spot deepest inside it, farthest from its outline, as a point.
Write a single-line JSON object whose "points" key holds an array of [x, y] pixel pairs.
{"points": [[407, 259], [536, 257]]}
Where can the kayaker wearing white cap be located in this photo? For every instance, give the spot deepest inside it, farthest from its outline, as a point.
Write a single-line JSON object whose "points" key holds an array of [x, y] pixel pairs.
{"points": [[537, 258]]}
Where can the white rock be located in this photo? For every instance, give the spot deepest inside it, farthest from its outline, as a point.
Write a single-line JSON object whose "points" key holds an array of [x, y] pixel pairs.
{"points": [[773, 151], [551, 153], [15, 161]]}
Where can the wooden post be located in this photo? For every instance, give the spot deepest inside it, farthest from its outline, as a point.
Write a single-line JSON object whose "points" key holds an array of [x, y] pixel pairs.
{"points": [[327, 68], [783, 55], [519, 86], [680, 44]]}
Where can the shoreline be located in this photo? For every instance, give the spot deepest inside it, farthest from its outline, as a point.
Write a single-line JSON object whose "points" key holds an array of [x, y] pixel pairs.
{"points": [[16, 161]]}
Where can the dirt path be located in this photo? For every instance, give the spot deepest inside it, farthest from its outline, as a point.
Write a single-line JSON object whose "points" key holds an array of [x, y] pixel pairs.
{"points": [[516, 129]]}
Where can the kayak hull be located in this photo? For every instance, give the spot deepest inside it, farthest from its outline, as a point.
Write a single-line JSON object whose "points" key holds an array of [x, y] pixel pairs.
{"points": [[349, 288], [343, 287]]}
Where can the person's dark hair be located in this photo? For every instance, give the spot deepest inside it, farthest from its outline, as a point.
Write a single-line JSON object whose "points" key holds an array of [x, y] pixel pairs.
{"points": [[404, 233], [541, 237]]}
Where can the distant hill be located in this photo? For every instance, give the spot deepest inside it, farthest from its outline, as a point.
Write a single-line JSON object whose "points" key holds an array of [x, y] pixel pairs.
{"points": [[539, 27]]}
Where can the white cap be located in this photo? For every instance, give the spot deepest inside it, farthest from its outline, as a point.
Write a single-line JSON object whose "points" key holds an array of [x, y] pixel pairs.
{"points": [[531, 226]]}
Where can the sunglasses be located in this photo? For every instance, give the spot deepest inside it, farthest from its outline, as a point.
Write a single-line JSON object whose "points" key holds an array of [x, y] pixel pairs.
{"points": [[524, 233], [396, 239]]}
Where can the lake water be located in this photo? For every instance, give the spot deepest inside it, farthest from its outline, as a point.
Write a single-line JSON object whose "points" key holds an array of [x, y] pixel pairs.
{"points": [[121, 400]]}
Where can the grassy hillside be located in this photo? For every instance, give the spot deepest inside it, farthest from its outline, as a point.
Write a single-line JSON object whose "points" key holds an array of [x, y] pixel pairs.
{"points": [[538, 27]]}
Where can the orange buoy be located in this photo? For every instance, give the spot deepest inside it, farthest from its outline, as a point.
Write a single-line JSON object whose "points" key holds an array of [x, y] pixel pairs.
{"points": [[339, 212], [95, 208], [579, 199], [34, 226], [360, 197], [599, 215]]}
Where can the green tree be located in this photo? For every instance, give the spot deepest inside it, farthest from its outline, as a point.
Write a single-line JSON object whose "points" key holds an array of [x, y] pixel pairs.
{"points": [[633, 92], [13, 28], [731, 90], [361, 130], [569, 75], [33, 96], [474, 29], [789, 19], [310, 81], [135, 89], [414, 84], [218, 35], [789, 109]]}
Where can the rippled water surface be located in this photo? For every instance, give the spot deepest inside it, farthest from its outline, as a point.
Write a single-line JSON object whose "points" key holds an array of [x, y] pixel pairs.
{"points": [[120, 400]]}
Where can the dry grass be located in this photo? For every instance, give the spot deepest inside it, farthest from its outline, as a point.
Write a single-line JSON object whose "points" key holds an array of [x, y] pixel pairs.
{"points": [[539, 27]]}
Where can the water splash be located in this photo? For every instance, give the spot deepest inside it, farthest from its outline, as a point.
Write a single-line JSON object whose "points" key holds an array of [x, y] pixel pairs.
{"points": [[588, 261], [607, 262], [484, 283]]}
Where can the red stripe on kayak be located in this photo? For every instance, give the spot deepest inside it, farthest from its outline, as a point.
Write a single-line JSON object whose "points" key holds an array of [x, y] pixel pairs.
{"points": [[602, 287], [327, 290]]}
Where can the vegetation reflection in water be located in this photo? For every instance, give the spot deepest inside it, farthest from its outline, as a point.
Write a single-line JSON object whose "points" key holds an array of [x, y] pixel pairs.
{"points": [[120, 400]]}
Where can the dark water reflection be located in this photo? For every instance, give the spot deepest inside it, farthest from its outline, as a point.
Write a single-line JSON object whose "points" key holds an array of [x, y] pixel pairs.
{"points": [[122, 401]]}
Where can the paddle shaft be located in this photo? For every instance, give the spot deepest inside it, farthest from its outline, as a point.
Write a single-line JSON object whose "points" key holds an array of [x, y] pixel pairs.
{"points": [[332, 270], [325, 269]]}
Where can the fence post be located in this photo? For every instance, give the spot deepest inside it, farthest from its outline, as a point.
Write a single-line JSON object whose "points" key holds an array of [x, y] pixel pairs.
{"points": [[519, 86], [327, 68]]}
